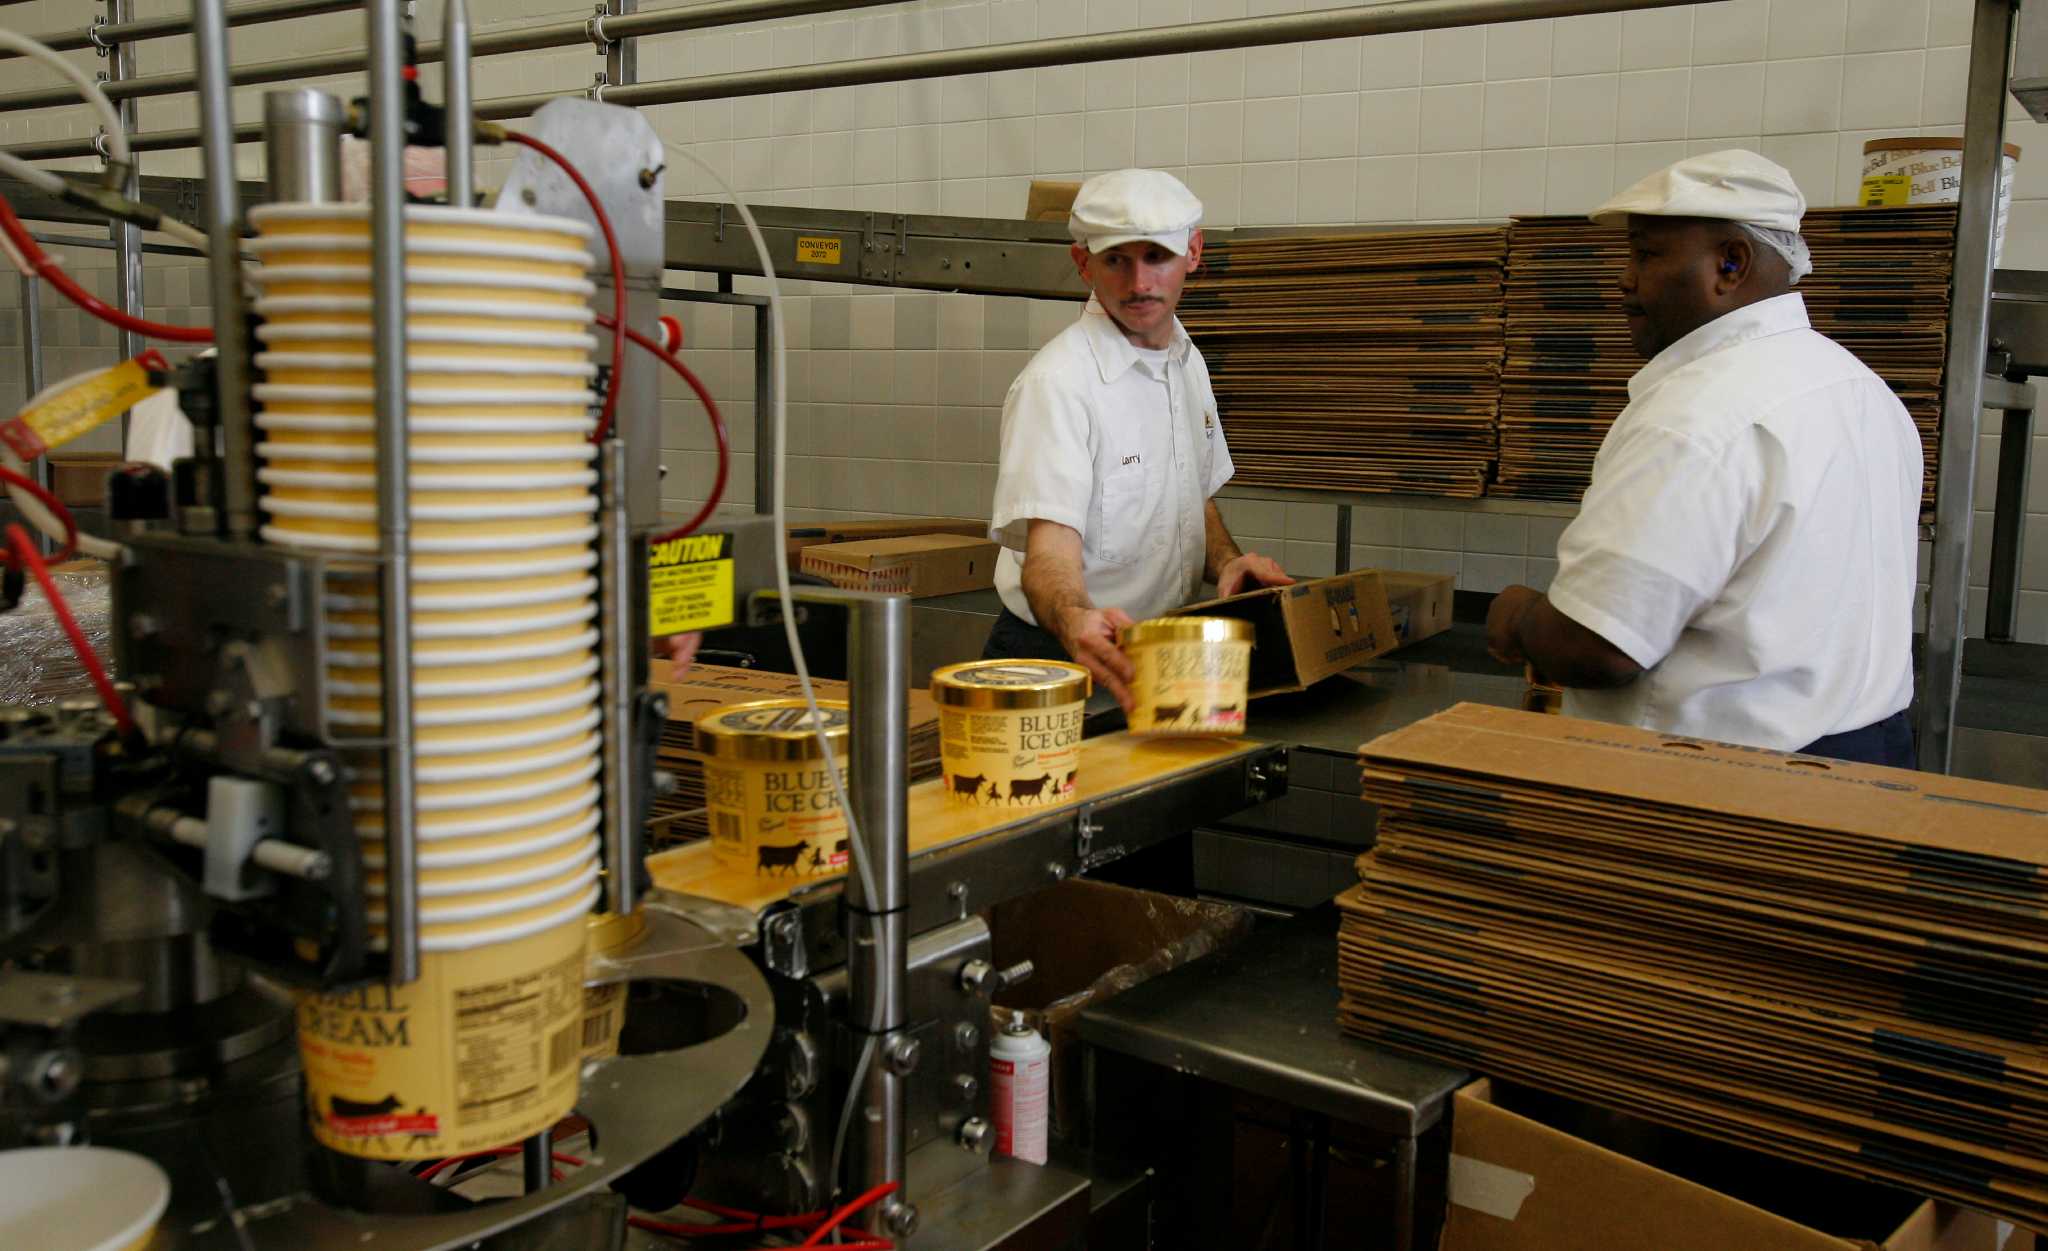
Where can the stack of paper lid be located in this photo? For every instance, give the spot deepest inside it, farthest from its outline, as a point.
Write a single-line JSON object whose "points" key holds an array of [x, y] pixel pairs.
{"points": [[1838, 964]]}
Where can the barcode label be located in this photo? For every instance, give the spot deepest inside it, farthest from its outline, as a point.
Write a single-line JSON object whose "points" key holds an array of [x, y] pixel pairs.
{"points": [[596, 1029], [562, 1049]]}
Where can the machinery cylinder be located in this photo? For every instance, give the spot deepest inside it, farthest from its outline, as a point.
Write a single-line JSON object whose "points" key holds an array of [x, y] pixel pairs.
{"points": [[302, 145]]}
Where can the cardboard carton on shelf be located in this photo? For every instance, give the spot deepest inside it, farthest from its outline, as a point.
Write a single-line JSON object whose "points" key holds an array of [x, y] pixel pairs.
{"points": [[1421, 603], [1521, 1182], [801, 537], [918, 565], [1310, 630]]}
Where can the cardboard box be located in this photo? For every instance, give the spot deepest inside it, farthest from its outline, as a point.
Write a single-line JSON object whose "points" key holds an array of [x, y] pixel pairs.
{"points": [[1087, 942], [801, 537], [1420, 603], [1050, 201], [1519, 1184], [918, 565], [1310, 630], [79, 479]]}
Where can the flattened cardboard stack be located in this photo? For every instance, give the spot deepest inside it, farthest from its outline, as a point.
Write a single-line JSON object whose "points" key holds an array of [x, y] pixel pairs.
{"points": [[1879, 287], [679, 816], [1838, 964], [1357, 362]]}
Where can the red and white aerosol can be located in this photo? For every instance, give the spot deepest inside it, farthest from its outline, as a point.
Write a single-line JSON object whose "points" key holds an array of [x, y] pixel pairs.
{"points": [[1020, 1090]]}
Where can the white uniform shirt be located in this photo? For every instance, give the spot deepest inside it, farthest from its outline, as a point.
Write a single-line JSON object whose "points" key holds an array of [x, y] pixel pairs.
{"points": [[1749, 538], [1125, 450]]}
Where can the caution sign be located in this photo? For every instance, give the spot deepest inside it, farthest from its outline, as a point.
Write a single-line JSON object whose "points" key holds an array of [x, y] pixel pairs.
{"points": [[817, 249], [689, 584]]}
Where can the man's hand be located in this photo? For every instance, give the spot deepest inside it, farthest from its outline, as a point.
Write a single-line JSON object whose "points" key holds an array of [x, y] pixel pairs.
{"points": [[1090, 636], [680, 649], [1248, 571], [1504, 624]]}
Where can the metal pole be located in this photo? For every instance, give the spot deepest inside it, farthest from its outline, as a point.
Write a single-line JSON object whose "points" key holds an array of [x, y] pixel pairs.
{"points": [[2008, 523], [617, 636], [32, 373], [1343, 538], [764, 411], [223, 216], [127, 236], [878, 662], [394, 498], [536, 1161], [122, 30], [1963, 394], [523, 39], [461, 103], [621, 51], [1414, 15], [302, 146]]}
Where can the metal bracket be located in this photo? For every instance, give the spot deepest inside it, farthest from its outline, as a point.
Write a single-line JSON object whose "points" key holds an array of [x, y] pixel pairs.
{"points": [[782, 944], [99, 41], [597, 87], [718, 223], [593, 29]]}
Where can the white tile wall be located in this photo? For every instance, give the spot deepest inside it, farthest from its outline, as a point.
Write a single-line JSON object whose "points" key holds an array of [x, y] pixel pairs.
{"points": [[895, 396]]}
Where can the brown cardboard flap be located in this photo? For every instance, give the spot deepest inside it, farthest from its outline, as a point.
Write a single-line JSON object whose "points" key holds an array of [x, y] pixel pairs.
{"points": [[1519, 1184], [917, 564], [1310, 630], [800, 537], [2008, 825], [1421, 603]]}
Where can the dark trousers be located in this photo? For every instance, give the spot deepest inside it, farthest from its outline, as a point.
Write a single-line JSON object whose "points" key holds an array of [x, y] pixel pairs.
{"points": [[1013, 638], [1889, 742]]}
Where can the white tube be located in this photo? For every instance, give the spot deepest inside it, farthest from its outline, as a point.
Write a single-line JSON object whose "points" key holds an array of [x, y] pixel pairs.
{"points": [[117, 138], [796, 650]]}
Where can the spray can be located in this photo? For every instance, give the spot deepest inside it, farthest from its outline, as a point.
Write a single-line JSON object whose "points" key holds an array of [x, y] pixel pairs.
{"points": [[1020, 1090]]}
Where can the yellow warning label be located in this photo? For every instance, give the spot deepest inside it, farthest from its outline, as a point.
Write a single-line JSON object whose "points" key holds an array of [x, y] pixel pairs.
{"points": [[1886, 191], [817, 249], [689, 584], [73, 411]]}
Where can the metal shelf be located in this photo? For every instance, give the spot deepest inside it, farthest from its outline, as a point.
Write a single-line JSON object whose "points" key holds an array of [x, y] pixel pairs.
{"points": [[1494, 504]]}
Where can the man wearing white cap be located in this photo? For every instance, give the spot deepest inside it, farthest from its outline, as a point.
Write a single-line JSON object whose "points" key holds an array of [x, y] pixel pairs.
{"points": [[1742, 567], [1111, 448]]}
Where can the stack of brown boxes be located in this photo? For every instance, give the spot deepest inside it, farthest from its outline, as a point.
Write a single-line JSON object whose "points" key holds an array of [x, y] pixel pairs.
{"points": [[679, 816], [1879, 288], [1358, 363], [1832, 963]]}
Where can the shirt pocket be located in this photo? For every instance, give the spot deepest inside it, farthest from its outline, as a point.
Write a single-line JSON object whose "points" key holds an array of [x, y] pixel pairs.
{"points": [[1124, 529]]}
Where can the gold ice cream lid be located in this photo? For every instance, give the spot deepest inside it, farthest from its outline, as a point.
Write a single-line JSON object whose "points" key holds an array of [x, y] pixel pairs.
{"points": [[773, 729], [1011, 684], [1189, 630]]}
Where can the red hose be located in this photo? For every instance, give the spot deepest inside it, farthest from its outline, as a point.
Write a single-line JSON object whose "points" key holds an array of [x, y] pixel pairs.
{"points": [[25, 551], [717, 419], [47, 269], [57, 510], [840, 1217], [611, 243]]}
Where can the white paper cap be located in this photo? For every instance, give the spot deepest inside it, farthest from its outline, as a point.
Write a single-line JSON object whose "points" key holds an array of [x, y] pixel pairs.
{"points": [[1133, 204]]}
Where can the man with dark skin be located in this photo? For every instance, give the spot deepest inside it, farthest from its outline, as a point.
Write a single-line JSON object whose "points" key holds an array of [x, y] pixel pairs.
{"points": [[1743, 563]]}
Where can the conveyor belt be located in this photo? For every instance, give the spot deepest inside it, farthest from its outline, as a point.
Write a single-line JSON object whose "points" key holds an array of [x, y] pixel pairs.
{"points": [[1131, 793]]}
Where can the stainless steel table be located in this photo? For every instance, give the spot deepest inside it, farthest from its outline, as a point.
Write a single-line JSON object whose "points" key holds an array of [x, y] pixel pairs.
{"points": [[1262, 1018]]}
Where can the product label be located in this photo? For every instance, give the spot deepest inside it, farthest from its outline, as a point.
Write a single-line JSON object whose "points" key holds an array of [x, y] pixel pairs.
{"points": [[776, 818], [1013, 757], [690, 584], [1190, 688], [76, 409], [1886, 191], [817, 250], [604, 1012], [1018, 1102], [480, 1051]]}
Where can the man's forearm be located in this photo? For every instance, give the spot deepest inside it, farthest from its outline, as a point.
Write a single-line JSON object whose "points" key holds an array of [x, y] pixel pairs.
{"points": [[1219, 549], [1054, 589], [1569, 654]]}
